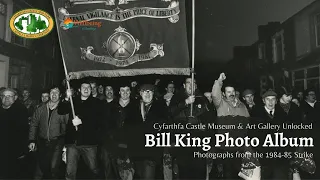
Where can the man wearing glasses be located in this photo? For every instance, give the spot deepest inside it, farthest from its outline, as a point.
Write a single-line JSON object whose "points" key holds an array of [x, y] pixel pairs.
{"points": [[139, 121], [311, 107], [13, 135]]}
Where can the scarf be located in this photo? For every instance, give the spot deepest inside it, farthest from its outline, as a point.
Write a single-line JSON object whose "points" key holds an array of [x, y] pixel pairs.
{"points": [[145, 109]]}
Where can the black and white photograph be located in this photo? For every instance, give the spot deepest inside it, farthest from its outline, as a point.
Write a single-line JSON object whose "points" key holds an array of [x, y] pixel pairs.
{"points": [[159, 89]]}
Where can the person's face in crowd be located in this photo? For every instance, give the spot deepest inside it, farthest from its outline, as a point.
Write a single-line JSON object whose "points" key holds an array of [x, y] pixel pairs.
{"points": [[25, 94], [7, 99], [170, 88], [229, 93], [286, 98], [237, 94], [147, 96], [311, 97], [300, 95], [187, 85], [109, 92], [85, 90], [54, 95], [44, 97], [208, 96], [100, 89], [94, 88], [249, 98], [125, 93], [270, 102]]}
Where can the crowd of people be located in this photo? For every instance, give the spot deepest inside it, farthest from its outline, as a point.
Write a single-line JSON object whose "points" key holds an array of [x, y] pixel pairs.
{"points": [[105, 127]]}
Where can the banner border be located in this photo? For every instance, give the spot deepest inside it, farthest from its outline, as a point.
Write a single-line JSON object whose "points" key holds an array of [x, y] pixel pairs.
{"points": [[129, 72]]}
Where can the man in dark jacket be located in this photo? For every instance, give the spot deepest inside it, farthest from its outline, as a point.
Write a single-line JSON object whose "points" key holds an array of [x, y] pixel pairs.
{"points": [[139, 121], [180, 107], [47, 130], [82, 130], [13, 135], [273, 114], [115, 157]]}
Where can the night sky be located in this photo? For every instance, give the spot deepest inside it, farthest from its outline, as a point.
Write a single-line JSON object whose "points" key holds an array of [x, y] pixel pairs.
{"points": [[222, 24]]}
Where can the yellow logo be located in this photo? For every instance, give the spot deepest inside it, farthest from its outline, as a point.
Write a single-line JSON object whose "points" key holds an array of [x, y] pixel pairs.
{"points": [[31, 23]]}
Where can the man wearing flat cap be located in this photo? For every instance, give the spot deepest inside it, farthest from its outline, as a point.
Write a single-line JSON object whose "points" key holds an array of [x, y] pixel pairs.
{"points": [[140, 120], [271, 114], [249, 100], [13, 135]]}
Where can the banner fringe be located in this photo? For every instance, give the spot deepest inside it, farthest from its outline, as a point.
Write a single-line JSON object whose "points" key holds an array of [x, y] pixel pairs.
{"points": [[129, 72]]}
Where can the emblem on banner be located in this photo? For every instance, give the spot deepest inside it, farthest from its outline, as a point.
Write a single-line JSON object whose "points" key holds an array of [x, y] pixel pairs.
{"points": [[121, 47]]}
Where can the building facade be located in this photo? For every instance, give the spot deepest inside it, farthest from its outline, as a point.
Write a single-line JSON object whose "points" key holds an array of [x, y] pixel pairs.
{"points": [[290, 51], [25, 63]]}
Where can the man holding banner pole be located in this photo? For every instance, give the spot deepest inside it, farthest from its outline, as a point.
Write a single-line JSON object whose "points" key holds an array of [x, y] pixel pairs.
{"points": [[82, 141]]}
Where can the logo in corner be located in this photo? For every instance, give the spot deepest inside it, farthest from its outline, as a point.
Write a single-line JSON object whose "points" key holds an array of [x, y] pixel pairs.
{"points": [[31, 23]]}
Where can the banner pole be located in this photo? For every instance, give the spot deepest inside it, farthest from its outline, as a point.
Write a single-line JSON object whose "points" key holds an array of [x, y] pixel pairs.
{"points": [[64, 65], [193, 54]]}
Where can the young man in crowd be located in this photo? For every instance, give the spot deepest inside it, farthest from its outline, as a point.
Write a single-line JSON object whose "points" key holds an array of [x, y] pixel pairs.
{"points": [[46, 134], [115, 157], [83, 130]]}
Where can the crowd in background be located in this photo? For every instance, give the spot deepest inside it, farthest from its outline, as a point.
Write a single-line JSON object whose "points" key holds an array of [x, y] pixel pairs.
{"points": [[104, 130]]}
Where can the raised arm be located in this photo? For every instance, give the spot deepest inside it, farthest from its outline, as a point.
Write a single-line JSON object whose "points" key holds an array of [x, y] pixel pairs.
{"points": [[216, 90]]}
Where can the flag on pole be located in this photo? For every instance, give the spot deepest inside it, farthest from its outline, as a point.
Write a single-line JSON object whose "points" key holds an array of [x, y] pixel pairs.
{"points": [[112, 38]]}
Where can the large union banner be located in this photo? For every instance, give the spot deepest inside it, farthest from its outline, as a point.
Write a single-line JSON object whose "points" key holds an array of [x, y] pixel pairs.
{"points": [[111, 38]]}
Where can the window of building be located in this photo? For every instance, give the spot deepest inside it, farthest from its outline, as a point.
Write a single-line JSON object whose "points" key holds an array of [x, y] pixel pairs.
{"points": [[313, 83], [317, 28], [17, 39], [313, 72], [299, 74], [278, 47], [299, 84], [14, 81], [307, 78], [262, 51], [3, 19]]}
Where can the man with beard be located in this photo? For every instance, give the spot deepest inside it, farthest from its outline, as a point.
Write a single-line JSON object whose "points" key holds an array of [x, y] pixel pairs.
{"points": [[230, 111], [115, 157], [47, 130], [13, 135], [139, 121], [180, 107], [82, 130]]}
